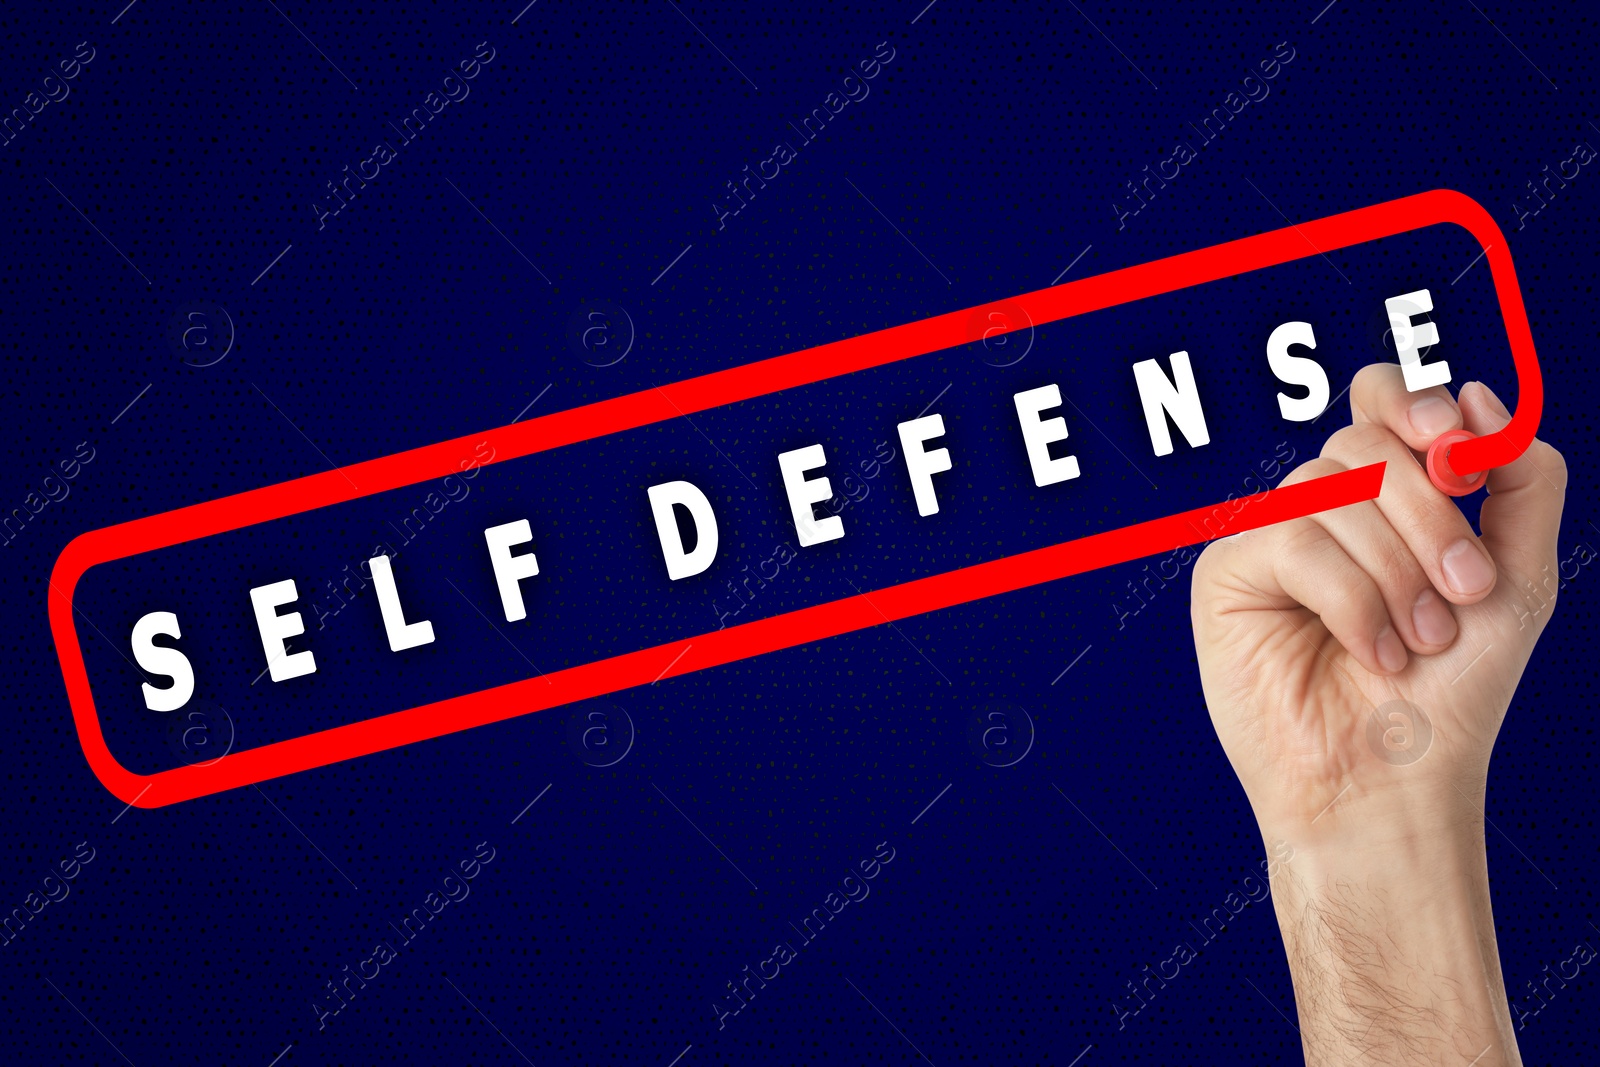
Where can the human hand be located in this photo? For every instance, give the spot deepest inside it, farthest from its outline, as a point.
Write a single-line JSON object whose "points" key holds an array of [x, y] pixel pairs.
{"points": [[1357, 665], [1311, 630]]}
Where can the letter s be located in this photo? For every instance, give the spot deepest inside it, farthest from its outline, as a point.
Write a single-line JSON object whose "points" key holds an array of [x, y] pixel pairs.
{"points": [[165, 662], [1298, 370]]}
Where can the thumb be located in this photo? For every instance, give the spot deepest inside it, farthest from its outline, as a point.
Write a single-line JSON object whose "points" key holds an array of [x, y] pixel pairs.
{"points": [[1521, 520]]}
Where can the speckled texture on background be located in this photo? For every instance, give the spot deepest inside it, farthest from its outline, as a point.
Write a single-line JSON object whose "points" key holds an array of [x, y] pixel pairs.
{"points": [[453, 294]]}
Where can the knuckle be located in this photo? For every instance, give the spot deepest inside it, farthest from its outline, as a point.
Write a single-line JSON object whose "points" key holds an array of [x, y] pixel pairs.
{"points": [[1359, 439], [1359, 609], [1337, 442], [1425, 519], [1373, 378], [1310, 549], [1312, 468], [1430, 523], [1401, 571], [1550, 463], [1304, 538]]}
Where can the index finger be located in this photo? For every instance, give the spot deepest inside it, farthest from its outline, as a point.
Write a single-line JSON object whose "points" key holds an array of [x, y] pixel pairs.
{"points": [[1378, 395]]}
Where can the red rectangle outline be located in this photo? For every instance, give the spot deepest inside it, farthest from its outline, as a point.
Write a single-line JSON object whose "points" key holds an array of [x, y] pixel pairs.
{"points": [[743, 383]]}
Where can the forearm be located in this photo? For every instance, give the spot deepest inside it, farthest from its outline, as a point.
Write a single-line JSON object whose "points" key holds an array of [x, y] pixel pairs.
{"points": [[1392, 949]]}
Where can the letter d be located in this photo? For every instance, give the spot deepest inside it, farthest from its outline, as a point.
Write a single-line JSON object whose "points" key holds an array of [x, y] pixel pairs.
{"points": [[664, 500]]}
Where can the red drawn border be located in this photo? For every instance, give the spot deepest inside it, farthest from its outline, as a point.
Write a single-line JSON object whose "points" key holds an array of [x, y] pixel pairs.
{"points": [[743, 383]]}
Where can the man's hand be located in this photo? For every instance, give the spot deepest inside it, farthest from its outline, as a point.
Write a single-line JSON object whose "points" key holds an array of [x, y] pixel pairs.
{"points": [[1357, 665]]}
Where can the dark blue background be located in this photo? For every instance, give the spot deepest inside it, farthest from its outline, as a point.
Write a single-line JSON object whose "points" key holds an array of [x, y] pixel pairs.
{"points": [[197, 142]]}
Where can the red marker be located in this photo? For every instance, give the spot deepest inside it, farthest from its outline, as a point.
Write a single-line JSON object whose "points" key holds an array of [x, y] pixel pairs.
{"points": [[1445, 475]]}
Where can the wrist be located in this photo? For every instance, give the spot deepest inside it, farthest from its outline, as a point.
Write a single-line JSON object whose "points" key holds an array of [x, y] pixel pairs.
{"points": [[1374, 820], [1390, 941], [1431, 882]]}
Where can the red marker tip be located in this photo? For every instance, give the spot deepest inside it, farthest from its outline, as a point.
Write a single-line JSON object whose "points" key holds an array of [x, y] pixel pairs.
{"points": [[1443, 475]]}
